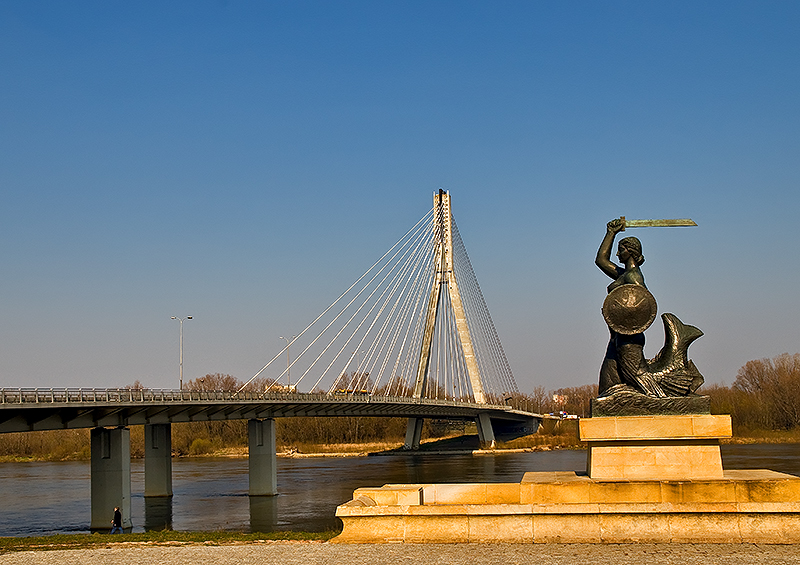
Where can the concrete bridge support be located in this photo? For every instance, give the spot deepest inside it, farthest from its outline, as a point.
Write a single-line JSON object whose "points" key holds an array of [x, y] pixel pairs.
{"points": [[485, 431], [263, 461], [111, 476], [413, 433], [158, 460]]}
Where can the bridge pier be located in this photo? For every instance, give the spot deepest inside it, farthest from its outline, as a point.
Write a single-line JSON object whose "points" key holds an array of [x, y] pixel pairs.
{"points": [[111, 476], [413, 433], [158, 459], [263, 461], [485, 431]]}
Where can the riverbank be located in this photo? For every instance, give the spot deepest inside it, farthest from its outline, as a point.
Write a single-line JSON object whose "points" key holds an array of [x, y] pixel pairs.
{"points": [[467, 443], [316, 553], [151, 539], [765, 436]]}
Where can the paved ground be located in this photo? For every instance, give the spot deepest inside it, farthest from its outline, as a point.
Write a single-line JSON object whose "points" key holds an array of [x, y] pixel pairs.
{"points": [[312, 553]]}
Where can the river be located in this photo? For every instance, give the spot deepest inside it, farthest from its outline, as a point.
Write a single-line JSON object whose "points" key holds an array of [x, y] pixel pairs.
{"points": [[41, 498]]}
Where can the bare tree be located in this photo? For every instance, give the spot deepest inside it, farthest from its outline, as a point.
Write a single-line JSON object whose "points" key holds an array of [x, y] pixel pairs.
{"points": [[774, 387]]}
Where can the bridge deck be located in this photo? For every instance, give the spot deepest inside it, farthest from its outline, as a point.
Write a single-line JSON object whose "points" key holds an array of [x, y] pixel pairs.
{"points": [[23, 410]]}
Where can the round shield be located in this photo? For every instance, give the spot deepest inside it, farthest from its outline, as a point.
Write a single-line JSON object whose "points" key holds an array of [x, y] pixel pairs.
{"points": [[629, 309]]}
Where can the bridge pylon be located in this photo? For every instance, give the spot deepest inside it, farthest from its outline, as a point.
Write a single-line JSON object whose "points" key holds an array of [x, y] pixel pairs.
{"points": [[445, 279]]}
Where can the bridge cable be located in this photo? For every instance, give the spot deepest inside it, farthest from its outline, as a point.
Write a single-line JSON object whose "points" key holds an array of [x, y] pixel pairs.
{"points": [[377, 344], [366, 286], [280, 353], [400, 275]]}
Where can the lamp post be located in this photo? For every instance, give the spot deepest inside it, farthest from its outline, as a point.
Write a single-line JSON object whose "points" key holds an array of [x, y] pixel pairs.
{"points": [[288, 366], [181, 364]]}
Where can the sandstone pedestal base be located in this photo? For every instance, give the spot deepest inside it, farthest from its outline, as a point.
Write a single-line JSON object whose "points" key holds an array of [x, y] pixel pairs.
{"points": [[654, 479], [739, 507], [655, 447]]}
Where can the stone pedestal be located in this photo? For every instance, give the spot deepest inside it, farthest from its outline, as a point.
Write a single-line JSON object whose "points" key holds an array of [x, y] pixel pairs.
{"points": [[752, 506], [655, 447], [651, 479]]}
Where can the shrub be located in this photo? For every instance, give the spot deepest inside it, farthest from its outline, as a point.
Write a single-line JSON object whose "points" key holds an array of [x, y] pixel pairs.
{"points": [[201, 446]]}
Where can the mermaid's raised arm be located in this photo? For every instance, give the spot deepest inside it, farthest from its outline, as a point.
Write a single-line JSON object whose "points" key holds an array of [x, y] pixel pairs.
{"points": [[603, 259]]}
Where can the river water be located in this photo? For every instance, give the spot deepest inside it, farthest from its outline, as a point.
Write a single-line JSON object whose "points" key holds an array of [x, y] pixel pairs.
{"points": [[211, 494]]}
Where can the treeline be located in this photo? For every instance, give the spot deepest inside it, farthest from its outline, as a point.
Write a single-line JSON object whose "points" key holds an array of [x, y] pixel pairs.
{"points": [[764, 397], [59, 445], [572, 400]]}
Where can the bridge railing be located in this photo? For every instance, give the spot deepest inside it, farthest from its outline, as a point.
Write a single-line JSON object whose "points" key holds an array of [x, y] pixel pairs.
{"points": [[29, 396]]}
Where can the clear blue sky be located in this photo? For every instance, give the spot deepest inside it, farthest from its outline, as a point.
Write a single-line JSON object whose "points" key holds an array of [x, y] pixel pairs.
{"points": [[244, 162]]}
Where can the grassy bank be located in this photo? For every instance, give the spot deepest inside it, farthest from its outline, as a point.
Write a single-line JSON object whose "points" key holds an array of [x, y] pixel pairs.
{"points": [[764, 436], [89, 541], [565, 438]]}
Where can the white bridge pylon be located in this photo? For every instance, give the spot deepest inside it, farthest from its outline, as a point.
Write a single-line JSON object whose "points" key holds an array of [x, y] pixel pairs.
{"points": [[414, 325], [444, 279]]}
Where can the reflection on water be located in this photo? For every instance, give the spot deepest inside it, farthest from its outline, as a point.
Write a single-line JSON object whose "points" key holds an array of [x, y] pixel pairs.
{"points": [[782, 457], [212, 494], [263, 513], [158, 513]]}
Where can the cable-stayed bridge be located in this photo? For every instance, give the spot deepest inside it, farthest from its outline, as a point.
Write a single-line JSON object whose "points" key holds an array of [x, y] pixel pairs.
{"points": [[412, 337], [415, 325]]}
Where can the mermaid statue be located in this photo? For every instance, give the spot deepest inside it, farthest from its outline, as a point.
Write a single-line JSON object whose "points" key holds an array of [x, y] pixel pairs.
{"points": [[629, 309]]}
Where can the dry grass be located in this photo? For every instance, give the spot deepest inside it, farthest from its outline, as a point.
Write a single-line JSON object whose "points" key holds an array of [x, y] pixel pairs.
{"points": [[167, 537], [537, 441], [310, 448], [764, 436], [237, 451], [368, 447]]}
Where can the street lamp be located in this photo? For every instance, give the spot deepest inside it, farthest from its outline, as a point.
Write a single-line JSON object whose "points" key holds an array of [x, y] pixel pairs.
{"points": [[288, 366], [181, 321]]}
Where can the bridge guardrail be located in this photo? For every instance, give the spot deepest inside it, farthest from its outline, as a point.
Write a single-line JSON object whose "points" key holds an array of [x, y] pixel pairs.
{"points": [[106, 395]]}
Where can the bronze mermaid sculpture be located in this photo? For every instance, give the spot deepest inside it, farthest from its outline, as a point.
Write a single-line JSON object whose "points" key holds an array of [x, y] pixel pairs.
{"points": [[670, 373]]}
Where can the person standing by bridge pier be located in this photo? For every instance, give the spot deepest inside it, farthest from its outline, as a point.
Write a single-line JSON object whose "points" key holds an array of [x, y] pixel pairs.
{"points": [[116, 522]]}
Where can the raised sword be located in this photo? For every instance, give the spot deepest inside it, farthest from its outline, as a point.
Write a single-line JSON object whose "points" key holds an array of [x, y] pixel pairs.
{"points": [[682, 222]]}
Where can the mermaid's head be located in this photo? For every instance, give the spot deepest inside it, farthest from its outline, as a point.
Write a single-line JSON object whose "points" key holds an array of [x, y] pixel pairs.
{"points": [[633, 247]]}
